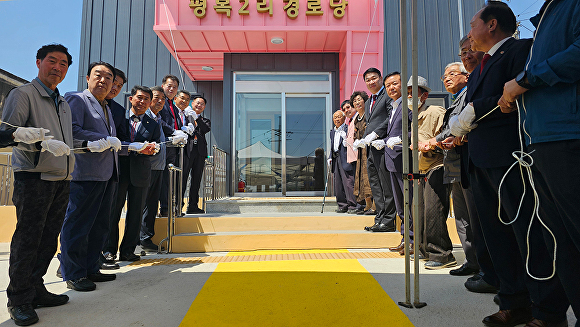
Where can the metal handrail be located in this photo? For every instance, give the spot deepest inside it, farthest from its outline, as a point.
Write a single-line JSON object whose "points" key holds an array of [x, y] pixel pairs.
{"points": [[215, 176], [6, 178], [175, 201]]}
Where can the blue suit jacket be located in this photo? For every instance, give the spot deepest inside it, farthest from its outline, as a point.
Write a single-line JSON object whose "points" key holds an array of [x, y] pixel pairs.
{"points": [[88, 123], [394, 156], [341, 150], [492, 142]]}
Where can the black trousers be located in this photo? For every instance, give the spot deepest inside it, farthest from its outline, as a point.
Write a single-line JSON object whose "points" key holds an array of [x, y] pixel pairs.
{"points": [[172, 157], [135, 197], [40, 209], [433, 212], [462, 222], [508, 244], [194, 168], [556, 177], [381, 188], [151, 205]]}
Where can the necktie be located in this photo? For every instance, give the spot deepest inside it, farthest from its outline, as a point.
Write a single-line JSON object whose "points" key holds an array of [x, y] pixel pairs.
{"points": [[134, 126], [373, 100], [484, 61], [176, 126]]}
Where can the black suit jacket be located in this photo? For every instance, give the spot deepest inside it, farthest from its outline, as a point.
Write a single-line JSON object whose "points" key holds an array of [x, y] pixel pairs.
{"points": [[138, 166], [167, 115], [491, 144], [378, 118], [118, 112], [203, 127]]}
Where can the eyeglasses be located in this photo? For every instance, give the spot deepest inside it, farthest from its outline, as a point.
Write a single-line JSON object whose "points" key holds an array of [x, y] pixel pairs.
{"points": [[464, 53], [451, 74]]}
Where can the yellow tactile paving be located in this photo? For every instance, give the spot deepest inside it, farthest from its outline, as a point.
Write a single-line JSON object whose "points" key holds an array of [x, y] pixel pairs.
{"points": [[269, 256], [328, 292]]}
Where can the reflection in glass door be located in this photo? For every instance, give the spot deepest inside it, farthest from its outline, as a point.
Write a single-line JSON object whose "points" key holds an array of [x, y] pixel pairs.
{"points": [[305, 143], [280, 133]]}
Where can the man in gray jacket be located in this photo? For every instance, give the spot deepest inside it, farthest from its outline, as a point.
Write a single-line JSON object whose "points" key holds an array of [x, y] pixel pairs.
{"points": [[42, 174]]}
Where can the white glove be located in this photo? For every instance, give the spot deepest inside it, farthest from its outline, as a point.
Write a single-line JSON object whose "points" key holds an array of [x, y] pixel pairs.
{"points": [[463, 123], [56, 147], [189, 129], [369, 138], [190, 112], [98, 145], [157, 148], [31, 135], [392, 141], [342, 134], [115, 143], [329, 162], [137, 146], [344, 144], [179, 137], [378, 144], [358, 144]]}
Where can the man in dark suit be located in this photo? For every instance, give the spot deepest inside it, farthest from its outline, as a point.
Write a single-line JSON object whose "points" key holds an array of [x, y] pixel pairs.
{"points": [[170, 85], [394, 150], [140, 135], [197, 151], [493, 137], [342, 170], [86, 223], [117, 109], [377, 111]]}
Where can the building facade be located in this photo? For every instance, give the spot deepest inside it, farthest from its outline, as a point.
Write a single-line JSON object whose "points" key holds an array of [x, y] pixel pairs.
{"points": [[273, 71]]}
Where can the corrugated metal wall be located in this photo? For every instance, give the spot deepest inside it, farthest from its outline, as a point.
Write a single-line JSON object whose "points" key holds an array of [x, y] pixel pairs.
{"points": [[438, 34]]}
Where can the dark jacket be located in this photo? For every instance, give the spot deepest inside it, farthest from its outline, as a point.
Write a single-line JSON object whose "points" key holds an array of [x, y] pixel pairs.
{"points": [[133, 163], [378, 118], [341, 154], [491, 144], [553, 69], [452, 158]]}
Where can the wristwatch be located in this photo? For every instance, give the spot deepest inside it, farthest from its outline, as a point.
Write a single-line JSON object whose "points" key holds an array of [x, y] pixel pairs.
{"points": [[522, 80]]}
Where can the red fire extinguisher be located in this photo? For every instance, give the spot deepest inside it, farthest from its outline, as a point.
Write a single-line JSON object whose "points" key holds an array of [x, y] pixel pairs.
{"points": [[241, 186]]}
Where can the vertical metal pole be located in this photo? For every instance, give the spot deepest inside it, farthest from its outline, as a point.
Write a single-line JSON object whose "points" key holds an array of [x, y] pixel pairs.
{"points": [[180, 185], [418, 231], [404, 74], [460, 11]]}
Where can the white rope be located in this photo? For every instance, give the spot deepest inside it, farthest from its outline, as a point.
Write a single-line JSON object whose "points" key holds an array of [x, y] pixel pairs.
{"points": [[365, 48], [173, 41], [7, 123], [521, 159]]}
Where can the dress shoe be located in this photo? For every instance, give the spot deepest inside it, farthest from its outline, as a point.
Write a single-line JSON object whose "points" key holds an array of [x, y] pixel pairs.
{"points": [[496, 299], [433, 265], [381, 228], [370, 212], [421, 256], [480, 286], [398, 248], [411, 250], [109, 257], [49, 300], [100, 277], [82, 284], [541, 323], [508, 317], [23, 315], [360, 212], [109, 266], [352, 211], [58, 273], [463, 271], [129, 257], [194, 211], [339, 210], [149, 245], [368, 228]]}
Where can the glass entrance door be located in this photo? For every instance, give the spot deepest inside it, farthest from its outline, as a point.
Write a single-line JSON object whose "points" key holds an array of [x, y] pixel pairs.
{"points": [[281, 137]]}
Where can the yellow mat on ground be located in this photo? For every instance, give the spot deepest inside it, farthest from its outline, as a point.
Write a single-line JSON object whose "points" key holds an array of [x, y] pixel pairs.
{"points": [[293, 293]]}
